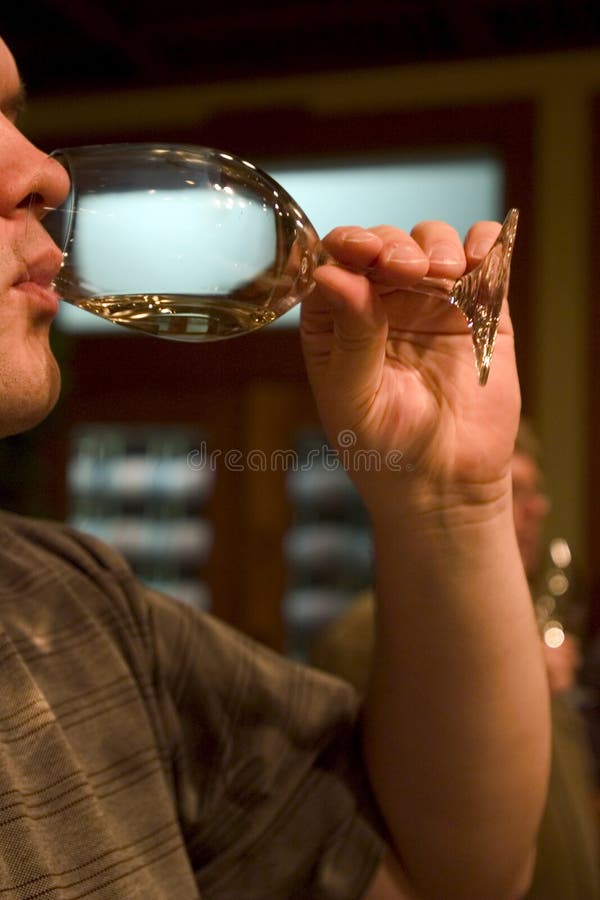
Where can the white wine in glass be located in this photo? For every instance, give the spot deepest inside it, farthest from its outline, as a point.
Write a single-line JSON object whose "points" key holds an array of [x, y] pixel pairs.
{"points": [[195, 244]]}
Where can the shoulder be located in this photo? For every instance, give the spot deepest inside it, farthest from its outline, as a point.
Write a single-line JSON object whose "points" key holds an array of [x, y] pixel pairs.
{"points": [[26, 541], [54, 579], [52, 575]]}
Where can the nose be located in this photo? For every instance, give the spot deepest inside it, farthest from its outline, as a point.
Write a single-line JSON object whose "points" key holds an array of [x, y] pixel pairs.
{"points": [[32, 181], [45, 189]]}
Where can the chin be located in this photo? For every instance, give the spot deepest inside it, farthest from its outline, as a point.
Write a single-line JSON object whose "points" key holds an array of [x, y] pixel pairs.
{"points": [[26, 402]]}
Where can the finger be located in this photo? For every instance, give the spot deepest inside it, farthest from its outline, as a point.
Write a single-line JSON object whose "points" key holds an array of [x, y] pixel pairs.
{"points": [[479, 239], [352, 246], [443, 248], [387, 255], [344, 333], [349, 298], [344, 321]]}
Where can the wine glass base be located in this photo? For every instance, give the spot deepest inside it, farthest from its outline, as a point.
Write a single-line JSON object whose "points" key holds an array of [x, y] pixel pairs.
{"points": [[481, 292]]}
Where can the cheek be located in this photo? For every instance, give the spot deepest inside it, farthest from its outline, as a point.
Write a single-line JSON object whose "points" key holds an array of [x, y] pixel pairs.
{"points": [[8, 256]]}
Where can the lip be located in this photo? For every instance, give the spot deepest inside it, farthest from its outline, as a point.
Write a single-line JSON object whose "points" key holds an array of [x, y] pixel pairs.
{"points": [[44, 299], [35, 281], [41, 269]]}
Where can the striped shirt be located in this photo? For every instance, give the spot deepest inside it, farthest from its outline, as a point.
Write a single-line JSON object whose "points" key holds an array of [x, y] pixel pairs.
{"points": [[148, 751]]}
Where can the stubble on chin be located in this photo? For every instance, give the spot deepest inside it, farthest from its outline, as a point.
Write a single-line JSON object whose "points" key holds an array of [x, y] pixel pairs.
{"points": [[26, 398]]}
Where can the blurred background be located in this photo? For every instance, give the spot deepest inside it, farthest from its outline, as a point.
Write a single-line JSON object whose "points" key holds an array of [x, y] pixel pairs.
{"points": [[501, 99]]}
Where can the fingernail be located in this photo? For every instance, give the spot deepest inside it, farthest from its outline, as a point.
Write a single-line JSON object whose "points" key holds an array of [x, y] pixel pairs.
{"points": [[359, 237], [479, 249], [404, 253], [444, 252]]}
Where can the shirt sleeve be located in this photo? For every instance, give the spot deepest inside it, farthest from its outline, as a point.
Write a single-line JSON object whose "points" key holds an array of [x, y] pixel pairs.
{"points": [[268, 779]]}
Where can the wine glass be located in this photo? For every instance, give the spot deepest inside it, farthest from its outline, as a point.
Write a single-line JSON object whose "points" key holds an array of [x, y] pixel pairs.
{"points": [[195, 244]]}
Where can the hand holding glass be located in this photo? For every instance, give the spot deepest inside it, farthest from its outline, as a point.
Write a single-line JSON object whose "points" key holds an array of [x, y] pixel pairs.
{"points": [[194, 244]]}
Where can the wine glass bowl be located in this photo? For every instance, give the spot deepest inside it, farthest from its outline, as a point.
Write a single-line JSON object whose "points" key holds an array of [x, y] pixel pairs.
{"points": [[180, 242], [195, 244]]}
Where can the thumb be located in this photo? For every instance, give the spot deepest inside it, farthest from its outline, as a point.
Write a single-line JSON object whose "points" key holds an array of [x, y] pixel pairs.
{"points": [[344, 333]]}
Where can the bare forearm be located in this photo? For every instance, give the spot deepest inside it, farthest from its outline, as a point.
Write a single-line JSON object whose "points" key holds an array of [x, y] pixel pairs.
{"points": [[455, 722]]}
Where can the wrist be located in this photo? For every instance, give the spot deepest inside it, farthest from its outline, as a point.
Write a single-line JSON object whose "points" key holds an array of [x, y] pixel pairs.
{"points": [[419, 504]]}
